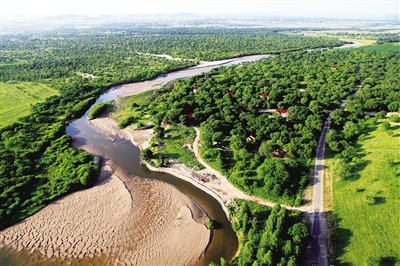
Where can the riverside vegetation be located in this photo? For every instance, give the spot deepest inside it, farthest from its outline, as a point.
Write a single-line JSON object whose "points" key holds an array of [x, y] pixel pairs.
{"points": [[80, 64], [239, 137]]}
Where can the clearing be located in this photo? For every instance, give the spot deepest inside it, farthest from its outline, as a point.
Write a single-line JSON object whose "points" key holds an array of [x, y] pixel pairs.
{"points": [[16, 99], [366, 205]]}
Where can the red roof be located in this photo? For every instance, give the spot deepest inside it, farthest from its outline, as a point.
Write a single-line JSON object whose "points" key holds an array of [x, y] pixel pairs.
{"points": [[190, 116], [333, 67], [230, 93], [195, 88], [281, 111], [264, 95]]}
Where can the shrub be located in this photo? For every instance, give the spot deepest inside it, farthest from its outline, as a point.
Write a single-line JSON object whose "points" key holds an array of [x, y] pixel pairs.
{"points": [[126, 122], [209, 224], [385, 126], [146, 154], [97, 110], [394, 118]]}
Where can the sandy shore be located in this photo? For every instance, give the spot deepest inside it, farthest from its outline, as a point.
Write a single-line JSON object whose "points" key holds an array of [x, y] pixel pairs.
{"points": [[122, 220]]}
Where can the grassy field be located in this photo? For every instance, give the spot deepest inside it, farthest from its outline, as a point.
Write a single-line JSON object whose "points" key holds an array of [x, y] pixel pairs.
{"points": [[366, 206], [15, 62], [16, 99], [380, 48], [134, 106], [177, 144]]}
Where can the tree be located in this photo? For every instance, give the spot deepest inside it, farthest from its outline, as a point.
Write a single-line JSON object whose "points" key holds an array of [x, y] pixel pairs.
{"points": [[237, 143], [298, 232], [297, 113], [267, 147], [217, 137], [209, 224], [385, 126], [146, 154]]}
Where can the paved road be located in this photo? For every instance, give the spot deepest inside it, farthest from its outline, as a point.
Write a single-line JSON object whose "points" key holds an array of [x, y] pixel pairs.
{"points": [[317, 250]]}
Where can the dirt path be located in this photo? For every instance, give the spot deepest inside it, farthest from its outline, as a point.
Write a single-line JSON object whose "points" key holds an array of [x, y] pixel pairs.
{"points": [[226, 190]]}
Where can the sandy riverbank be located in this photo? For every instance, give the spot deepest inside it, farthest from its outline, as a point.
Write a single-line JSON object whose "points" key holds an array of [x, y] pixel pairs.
{"points": [[121, 220], [208, 179]]}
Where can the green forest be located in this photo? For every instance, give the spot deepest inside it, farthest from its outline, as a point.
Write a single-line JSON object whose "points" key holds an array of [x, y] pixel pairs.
{"points": [[260, 122], [268, 236]]}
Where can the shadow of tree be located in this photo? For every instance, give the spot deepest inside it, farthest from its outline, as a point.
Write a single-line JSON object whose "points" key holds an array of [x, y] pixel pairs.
{"points": [[354, 175], [379, 200], [341, 240], [217, 225], [388, 261]]}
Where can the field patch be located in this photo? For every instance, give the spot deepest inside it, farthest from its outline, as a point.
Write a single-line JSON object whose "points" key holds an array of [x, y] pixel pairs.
{"points": [[380, 48], [16, 99], [367, 204]]}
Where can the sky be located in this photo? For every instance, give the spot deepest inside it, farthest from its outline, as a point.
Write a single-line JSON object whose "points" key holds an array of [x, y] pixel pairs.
{"points": [[294, 8]]}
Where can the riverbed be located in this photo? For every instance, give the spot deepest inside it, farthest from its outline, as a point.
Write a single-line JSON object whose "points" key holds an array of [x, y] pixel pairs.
{"points": [[132, 215]]}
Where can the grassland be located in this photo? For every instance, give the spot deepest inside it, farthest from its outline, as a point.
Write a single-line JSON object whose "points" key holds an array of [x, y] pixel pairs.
{"points": [[380, 48], [177, 144], [13, 62], [366, 206], [135, 105], [16, 99]]}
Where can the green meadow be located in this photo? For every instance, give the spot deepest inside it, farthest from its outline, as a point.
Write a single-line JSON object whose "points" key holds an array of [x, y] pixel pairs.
{"points": [[177, 144], [135, 106], [366, 204], [379, 48], [16, 99]]}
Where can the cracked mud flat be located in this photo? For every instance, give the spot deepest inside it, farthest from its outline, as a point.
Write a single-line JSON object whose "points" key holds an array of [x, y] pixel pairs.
{"points": [[123, 220]]}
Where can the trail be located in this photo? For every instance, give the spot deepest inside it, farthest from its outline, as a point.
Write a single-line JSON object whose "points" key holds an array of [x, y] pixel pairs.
{"points": [[231, 191]]}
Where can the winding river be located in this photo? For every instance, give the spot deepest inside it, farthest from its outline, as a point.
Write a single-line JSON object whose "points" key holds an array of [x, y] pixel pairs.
{"points": [[224, 241]]}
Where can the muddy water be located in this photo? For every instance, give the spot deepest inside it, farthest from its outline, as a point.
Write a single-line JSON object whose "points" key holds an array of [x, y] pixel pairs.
{"points": [[126, 156]]}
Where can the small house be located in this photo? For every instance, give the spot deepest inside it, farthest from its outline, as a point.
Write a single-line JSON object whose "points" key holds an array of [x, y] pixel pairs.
{"points": [[195, 89], [282, 112], [264, 95], [333, 67], [251, 138], [190, 116], [230, 93]]}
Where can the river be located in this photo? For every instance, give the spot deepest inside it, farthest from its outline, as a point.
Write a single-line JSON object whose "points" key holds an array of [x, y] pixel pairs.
{"points": [[224, 242]]}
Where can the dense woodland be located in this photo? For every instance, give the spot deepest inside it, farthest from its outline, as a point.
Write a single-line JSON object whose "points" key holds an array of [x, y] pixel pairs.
{"points": [[108, 55], [268, 237], [260, 122]]}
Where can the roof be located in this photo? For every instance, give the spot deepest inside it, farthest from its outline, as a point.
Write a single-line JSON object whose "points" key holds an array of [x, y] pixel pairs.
{"points": [[230, 93], [190, 116], [264, 94], [251, 138], [281, 111]]}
